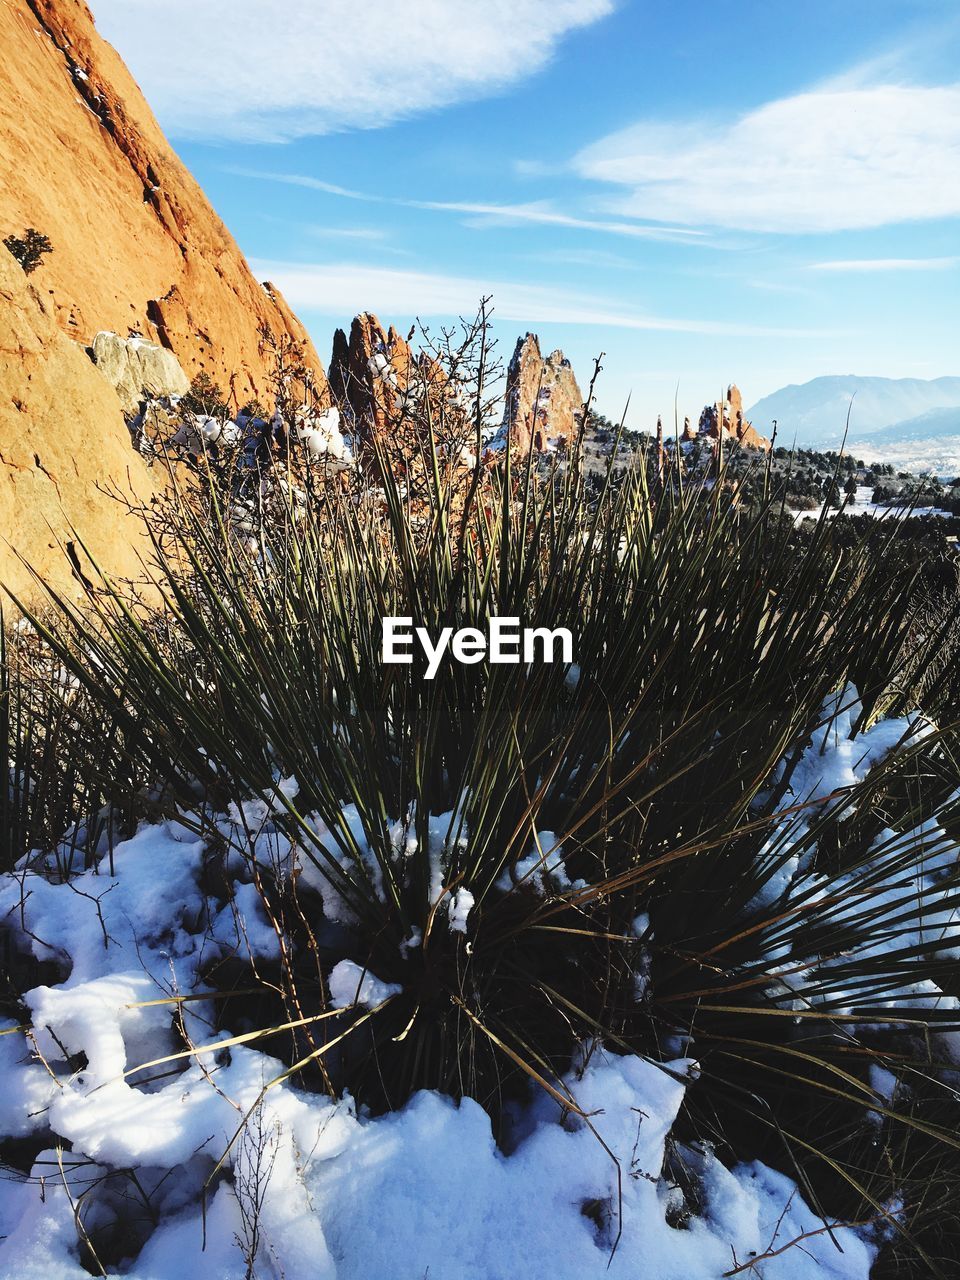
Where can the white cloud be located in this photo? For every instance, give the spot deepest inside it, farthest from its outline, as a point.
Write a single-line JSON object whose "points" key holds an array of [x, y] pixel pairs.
{"points": [[245, 69], [538, 213], [827, 160], [348, 233], [599, 259], [343, 289], [887, 264], [541, 213]]}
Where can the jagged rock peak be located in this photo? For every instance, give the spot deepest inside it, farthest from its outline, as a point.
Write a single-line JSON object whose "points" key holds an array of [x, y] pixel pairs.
{"points": [[339, 367], [725, 421], [544, 404], [369, 371], [137, 247]]}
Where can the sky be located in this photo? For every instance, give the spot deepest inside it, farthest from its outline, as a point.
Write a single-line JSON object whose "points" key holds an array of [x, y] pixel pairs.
{"points": [[706, 191]]}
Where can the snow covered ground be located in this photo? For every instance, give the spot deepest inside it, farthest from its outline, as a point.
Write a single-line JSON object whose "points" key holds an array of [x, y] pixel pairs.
{"points": [[933, 455], [318, 1190], [863, 505]]}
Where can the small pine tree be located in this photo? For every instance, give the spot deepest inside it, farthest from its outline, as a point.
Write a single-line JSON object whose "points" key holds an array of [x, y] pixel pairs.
{"points": [[205, 397], [29, 249]]}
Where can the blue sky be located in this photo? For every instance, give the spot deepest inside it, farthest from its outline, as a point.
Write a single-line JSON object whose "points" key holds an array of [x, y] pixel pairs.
{"points": [[706, 191]]}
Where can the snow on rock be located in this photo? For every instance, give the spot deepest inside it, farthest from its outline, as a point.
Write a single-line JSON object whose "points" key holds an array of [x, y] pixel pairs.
{"points": [[461, 904], [216, 432], [137, 369], [350, 984], [321, 436]]}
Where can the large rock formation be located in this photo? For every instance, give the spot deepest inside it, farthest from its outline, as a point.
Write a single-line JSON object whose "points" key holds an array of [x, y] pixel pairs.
{"points": [[401, 412], [725, 421], [369, 374], [544, 404], [64, 448], [136, 246], [137, 370]]}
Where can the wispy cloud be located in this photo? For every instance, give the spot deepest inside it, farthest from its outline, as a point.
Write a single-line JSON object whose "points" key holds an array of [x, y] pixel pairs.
{"points": [[827, 160], [542, 214], [886, 264], [481, 213], [780, 286], [344, 288], [305, 180], [347, 233], [598, 259], [243, 69]]}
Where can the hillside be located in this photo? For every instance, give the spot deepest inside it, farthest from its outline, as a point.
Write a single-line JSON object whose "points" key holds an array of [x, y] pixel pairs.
{"points": [[63, 444], [815, 412], [936, 424], [136, 249], [930, 443], [136, 245]]}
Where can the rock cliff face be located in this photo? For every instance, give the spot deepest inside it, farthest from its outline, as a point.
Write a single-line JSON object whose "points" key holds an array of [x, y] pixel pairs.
{"points": [[726, 421], [136, 246], [64, 446], [544, 403], [374, 372]]}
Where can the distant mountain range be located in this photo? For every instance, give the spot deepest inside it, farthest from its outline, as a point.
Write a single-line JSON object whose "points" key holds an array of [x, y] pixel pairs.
{"points": [[935, 424], [903, 409]]}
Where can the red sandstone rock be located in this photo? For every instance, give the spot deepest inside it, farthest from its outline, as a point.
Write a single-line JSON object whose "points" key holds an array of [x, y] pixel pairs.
{"points": [[64, 448], [544, 404], [137, 247], [369, 375], [726, 422]]}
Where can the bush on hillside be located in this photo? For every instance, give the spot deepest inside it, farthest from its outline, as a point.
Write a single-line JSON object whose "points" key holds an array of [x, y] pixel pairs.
{"points": [[205, 397], [29, 249]]}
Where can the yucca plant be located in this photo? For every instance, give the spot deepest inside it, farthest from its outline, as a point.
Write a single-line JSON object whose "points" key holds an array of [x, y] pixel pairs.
{"points": [[536, 859], [66, 787], [44, 787]]}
